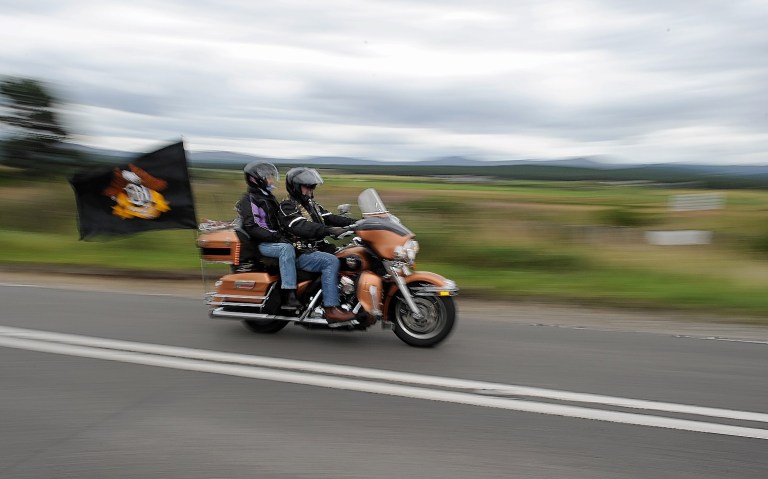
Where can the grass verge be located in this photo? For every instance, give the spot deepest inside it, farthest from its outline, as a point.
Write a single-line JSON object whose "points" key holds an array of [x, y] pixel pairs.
{"points": [[173, 252]]}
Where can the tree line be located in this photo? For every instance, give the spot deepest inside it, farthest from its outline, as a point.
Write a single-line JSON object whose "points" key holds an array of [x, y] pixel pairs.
{"points": [[36, 135], [37, 140]]}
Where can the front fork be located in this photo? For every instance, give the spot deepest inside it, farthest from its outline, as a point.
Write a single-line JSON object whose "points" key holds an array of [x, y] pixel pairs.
{"points": [[423, 283], [400, 282]]}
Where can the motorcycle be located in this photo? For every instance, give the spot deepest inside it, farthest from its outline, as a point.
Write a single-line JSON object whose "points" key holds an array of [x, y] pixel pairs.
{"points": [[377, 281]]}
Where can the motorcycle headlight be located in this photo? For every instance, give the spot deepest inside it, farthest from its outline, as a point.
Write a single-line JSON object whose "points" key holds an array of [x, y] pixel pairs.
{"points": [[407, 252]]}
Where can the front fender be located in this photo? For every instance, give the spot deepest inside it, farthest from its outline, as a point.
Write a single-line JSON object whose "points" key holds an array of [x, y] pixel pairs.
{"points": [[433, 285]]}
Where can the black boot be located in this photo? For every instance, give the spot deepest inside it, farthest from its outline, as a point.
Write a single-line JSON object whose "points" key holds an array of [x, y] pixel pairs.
{"points": [[244, 267], [289, 299]]}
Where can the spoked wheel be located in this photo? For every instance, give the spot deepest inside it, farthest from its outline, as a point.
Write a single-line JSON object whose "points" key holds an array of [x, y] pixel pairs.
{"points": [[438, 315]]}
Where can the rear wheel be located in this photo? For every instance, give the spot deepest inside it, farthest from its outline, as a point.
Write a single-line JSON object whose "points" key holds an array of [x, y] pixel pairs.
{"points": [[268, 326], [438, 315], [264, 326]]}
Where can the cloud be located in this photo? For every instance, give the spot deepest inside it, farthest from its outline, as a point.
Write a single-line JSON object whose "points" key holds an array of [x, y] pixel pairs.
{"points": [[635, 81]]}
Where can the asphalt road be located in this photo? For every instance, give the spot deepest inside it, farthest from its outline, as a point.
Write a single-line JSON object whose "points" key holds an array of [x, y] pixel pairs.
{"points": [[209, 405]]}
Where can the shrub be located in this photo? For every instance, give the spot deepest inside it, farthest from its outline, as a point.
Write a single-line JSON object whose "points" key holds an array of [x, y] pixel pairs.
{"points": [[622, 216], [439, 206], [517, 257], [438, 247], [759, 244]]}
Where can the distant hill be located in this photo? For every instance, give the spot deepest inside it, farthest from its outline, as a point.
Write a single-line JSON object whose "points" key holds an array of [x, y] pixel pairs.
{"points": [[564, 169]]}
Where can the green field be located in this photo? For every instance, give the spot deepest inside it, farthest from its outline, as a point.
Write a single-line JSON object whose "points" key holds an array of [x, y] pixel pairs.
{"points": [[574, 241]]}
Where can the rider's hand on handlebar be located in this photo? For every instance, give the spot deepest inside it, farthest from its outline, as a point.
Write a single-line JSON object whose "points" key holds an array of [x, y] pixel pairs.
{"points": [[347, 232], [335, 231]]}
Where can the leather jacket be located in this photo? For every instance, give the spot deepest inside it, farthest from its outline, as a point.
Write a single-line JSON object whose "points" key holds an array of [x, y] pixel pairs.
{"points": [[306, 224], [258, 212]]}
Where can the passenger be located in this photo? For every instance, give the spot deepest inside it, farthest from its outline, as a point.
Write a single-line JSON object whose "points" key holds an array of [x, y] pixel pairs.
{"points": [[258, 211]]}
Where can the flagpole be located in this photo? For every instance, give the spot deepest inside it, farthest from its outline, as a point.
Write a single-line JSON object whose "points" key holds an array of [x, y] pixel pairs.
{"points": [[202, 266]]}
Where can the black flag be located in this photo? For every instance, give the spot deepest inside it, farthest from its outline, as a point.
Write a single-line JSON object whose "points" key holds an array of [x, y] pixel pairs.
{"points": [[152, 192]]}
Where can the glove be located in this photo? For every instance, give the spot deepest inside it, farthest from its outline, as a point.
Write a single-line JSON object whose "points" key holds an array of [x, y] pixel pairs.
{"points": [[334, 230]]}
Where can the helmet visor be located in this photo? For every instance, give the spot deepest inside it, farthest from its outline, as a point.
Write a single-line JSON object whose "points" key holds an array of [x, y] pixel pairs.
{"points": [[266, 171], [308, 177]]}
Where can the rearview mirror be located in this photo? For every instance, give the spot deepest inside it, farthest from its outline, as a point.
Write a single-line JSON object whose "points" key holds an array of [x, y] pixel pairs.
{"points": [[344, 209]]}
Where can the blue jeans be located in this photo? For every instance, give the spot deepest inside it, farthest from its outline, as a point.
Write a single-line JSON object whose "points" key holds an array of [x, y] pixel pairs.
{"points": [[286, 255], [328, 266]]}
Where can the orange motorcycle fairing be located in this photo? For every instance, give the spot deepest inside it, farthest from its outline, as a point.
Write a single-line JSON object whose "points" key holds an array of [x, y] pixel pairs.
{"points": [[445, 286], [353, 258], [242, 288], [384, 242], [370, 292]]}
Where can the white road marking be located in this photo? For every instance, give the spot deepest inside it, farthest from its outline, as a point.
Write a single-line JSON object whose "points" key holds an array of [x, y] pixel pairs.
{"points": [[374, 381], [729, 340], [479, 387]]}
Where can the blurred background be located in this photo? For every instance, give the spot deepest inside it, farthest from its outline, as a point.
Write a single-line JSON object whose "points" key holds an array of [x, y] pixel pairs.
{"points": [[594, 152]]}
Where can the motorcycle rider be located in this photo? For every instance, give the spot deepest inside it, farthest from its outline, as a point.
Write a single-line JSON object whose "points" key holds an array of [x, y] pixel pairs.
{"points": [[260, 224], [307, 224]]}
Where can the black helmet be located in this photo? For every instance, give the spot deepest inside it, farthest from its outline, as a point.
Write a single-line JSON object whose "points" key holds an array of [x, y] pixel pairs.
{"points": [[301, 176], [257, 173]]}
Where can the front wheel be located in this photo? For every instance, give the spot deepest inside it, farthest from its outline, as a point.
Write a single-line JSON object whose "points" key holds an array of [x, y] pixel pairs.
{"points": [[438, 315]]}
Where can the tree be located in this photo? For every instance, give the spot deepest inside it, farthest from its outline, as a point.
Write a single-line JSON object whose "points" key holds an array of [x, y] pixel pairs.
{"points": [[37, 134]]}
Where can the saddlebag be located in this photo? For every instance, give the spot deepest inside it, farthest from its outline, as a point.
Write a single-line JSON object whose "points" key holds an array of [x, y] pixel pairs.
{"points": [[242, 289]]}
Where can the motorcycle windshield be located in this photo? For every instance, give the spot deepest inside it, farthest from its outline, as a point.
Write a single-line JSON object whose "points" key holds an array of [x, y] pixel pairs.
{"points": [[376, 216], [370, 203]]}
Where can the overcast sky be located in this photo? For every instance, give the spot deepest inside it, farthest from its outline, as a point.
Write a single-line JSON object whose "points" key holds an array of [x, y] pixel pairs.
{"points": [[631, 81]]}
